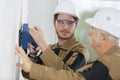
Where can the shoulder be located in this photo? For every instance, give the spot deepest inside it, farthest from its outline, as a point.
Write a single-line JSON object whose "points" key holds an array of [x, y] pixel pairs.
{"points": [[95, 71], [112, 62], [52, 45], [82, 50]]}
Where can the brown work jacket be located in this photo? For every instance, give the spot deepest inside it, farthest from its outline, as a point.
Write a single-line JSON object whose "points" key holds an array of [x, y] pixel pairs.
{"points": [[111, 59], [63, 60]]}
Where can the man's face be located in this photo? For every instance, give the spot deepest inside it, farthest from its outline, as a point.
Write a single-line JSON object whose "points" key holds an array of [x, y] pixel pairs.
{"points": [[95, 38], [65, 26]]}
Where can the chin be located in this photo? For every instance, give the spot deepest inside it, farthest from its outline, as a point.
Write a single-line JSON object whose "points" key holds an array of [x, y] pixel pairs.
{"points": [[64, 37]]}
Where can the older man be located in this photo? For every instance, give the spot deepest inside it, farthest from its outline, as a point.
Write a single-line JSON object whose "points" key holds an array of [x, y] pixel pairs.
{"points": [[105, 36]]}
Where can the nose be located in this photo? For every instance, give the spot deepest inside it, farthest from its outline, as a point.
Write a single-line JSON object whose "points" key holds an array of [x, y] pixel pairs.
{"points": [[90, 33], [65, 26]]}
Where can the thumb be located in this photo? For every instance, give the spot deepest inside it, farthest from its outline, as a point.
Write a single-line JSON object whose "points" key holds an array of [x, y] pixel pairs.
{"points": [[38, 48], [19, 65]]}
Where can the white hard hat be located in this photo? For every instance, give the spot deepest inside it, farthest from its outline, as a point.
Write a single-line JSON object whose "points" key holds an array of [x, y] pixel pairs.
{"points": [[108, 20], [67, 7]]}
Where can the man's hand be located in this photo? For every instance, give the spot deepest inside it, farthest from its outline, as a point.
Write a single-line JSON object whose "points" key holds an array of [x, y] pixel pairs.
{"points": [[38, 37], [27, 63], [31, 48]]}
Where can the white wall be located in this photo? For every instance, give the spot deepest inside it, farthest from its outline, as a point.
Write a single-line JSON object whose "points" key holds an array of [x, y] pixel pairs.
{"points": [[9, 24], [40, 14]]}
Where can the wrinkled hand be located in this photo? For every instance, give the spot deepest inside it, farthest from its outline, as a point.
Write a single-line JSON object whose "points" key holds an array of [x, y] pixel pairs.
{"points": [[38, 37], [27, 63]]}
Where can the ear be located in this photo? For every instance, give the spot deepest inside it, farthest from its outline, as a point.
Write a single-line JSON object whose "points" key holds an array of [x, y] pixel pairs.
{"points": [[54, 23], [76, 25], [103, 38]]}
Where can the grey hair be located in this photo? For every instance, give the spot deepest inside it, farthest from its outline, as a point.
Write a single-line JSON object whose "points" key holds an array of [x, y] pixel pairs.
{"points": [[112, 37]]}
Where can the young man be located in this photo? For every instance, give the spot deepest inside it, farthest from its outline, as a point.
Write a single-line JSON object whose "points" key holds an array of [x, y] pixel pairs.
{"points": [[67, 53], [105, 37]]}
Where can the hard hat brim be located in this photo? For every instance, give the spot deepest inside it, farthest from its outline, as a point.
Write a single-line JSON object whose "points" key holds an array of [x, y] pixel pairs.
{"points": [[90, 21], [106, 19], [93, 23]]}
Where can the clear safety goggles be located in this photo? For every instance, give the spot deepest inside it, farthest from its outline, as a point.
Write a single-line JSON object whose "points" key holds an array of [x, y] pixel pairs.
{"points": [[66, 22]]}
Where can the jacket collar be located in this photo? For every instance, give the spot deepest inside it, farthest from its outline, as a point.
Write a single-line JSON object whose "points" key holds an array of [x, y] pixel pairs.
{"points": [[67, 45], [111, 50]]}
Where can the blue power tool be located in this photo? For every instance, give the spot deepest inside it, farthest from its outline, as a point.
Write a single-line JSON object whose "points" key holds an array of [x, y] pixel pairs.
{"points": [[25, 38]]}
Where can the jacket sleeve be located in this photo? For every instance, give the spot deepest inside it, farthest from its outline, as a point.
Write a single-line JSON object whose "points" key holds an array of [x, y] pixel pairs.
{"points": [[39, 72], [78, 62], [25, 74], [98, 71], [49, 58]]}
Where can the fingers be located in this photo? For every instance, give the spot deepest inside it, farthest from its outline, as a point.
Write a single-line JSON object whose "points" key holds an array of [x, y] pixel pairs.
{"points": [[35, 29], [38, 48], [30, 47], [26, 61], [36, 35], [32, 32], [38, 29], [21, 66], [20, 52], [17, 51]]}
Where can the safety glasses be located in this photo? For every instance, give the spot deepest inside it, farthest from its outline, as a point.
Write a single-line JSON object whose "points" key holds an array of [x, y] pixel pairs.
{"points": [[67, 22]]}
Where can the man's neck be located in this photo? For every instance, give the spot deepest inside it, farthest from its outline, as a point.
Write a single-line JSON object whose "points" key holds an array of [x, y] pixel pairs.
{"points": [[106, 47], [62, 42]]}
